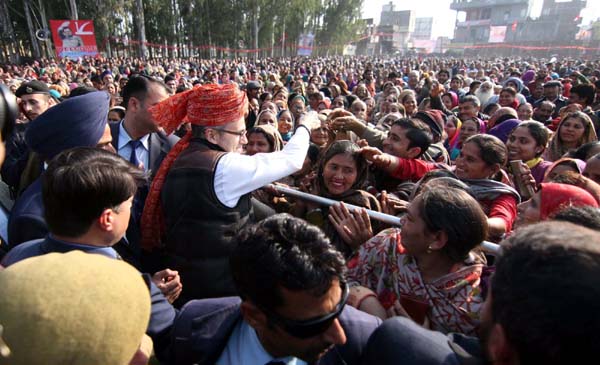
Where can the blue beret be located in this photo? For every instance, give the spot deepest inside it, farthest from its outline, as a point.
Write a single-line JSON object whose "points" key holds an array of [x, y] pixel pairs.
{"points": [[77, 122]]}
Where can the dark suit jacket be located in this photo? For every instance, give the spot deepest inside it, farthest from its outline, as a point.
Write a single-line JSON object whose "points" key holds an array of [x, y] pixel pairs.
{"points": [[26, 221], [159, 144], [162, 313], [203, 327]]}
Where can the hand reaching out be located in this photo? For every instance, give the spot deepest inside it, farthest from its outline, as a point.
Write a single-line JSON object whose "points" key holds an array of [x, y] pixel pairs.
{"points": [[354, 228]]}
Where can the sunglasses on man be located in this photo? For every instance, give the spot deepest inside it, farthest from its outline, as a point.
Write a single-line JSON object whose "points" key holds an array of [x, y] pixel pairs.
{"points": [[314, 326]]}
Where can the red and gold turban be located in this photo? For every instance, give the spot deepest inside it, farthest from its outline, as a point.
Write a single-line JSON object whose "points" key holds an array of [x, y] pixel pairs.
{"points": [[207, 105]]}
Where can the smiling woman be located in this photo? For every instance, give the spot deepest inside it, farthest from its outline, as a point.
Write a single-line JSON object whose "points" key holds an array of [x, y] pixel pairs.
{"points": [[341, 175], [574, 130]]}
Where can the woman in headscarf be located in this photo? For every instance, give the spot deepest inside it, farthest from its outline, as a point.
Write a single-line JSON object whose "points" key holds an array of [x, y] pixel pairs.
{"points": [[551, 199], [267, 117], [263, 139], [574, 130], [285, 124], [469, 127], [563, 166], [450, 100], [452, 129], [341, 175]]}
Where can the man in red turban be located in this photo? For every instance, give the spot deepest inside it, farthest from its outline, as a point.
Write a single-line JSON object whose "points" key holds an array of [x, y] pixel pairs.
{"points": [[200, 197]]}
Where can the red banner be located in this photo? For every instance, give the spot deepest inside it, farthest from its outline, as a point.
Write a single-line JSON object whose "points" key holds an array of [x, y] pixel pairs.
{"points": [[74, 38]]}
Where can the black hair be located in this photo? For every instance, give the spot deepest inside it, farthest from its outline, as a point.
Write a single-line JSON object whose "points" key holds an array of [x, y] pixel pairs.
{"points": [[417, 132], [584, 152], [269, 137], [545, 293], [138, 87], [489, 107], [491, 149], [82, 182], [538, 132], [344, 147], [456, 213], [472, 99], [585, 91], [282, 251], [586, 216]]}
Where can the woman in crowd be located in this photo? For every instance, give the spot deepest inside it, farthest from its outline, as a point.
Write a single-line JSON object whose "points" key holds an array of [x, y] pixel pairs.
{"points": [[468, 128], [285, 124], [574, 130], [480, 165], [551, 199], [409, 100], [263, 139], [452, 129], [297, 105], [563, 166], [508, 98], [280, 97], [425, 270], [450, 100], [341, 175], [527, 143], [267, 117]]}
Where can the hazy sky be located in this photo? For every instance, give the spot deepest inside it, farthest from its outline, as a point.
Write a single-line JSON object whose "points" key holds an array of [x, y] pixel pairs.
{"points": [[444, 18]]}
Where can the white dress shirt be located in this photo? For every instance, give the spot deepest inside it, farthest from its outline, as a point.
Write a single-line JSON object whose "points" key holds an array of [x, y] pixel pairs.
{"points": [[244, 348], [238, 174], [124, 148]]}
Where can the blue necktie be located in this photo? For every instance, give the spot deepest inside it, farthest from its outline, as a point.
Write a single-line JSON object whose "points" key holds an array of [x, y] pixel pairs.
{"points": [[133, 157]]}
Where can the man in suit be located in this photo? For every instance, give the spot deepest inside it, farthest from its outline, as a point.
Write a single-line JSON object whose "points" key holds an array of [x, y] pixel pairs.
{"points": [[138, 139], [87, 195], [292, 309]]}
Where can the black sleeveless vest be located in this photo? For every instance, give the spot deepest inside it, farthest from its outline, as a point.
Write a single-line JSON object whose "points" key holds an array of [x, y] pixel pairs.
{"points": [[199, 228]]}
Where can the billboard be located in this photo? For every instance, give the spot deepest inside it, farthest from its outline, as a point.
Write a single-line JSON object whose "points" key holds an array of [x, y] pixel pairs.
{"points": [[497, 34], [74, 38], [305, 44]]}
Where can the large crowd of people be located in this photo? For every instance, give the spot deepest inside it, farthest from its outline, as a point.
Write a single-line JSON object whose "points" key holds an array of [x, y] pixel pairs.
{"points": [[174, 167]]}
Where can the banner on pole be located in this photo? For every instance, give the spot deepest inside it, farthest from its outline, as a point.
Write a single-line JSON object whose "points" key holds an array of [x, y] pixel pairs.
{"points": [[74, 38], [305, 44]]}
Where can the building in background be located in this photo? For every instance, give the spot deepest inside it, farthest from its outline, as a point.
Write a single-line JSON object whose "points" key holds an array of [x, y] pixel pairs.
{"points": [[423, 28], [395, 29], [557, 25], [482, 15]]}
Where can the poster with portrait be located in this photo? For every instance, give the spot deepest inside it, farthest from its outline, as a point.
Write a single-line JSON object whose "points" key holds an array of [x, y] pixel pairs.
{"points": [[74, 38], [305, 44]]}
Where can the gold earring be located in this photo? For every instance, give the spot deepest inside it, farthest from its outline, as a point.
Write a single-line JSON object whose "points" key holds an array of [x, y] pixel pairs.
{"points": [[429, 249]]}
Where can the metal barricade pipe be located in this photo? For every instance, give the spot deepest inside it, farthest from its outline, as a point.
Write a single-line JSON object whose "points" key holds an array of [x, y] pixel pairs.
{"points": [[488, 247]]}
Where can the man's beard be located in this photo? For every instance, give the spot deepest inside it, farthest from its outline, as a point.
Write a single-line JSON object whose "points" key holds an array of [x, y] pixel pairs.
{"points": [[483, 96]]}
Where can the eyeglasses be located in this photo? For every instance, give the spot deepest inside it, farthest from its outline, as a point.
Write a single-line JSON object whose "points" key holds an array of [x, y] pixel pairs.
{"points": [[311, 327], [240, 134]]}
